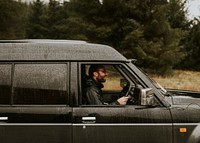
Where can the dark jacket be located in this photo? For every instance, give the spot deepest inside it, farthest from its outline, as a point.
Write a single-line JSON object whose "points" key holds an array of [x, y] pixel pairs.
{"points": [[92, 93]]}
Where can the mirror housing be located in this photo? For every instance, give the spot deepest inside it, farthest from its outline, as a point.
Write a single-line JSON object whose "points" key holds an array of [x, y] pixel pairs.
{"points": [[146, 96]]}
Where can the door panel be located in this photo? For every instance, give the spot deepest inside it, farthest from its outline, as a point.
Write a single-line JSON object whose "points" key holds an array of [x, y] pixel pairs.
{"points": [[34, 103], [119, 124], [29, 133], [122, 124], [35, 125]]}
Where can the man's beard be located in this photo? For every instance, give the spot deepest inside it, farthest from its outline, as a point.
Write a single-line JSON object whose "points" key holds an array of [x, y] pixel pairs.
{"points": [[101, 79]]}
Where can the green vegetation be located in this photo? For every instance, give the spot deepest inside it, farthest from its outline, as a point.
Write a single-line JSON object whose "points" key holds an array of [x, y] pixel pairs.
{"points": [[184, 80], [155, 32]]}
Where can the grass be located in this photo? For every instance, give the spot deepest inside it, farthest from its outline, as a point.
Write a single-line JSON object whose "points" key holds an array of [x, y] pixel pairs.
{"points": [[185, 80]]}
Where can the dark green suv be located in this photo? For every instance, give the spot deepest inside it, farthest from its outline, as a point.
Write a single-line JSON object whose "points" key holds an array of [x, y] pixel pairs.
{"points": [[41, 98]]}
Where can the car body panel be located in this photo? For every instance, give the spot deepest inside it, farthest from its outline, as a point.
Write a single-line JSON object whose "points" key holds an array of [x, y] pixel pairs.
{"points": [[118, 124], [35, 124], [48, 50], [175, 119]]}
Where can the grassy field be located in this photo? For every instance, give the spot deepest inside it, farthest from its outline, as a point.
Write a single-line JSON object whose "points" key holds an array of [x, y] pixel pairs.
{"points": [[186, 80]]}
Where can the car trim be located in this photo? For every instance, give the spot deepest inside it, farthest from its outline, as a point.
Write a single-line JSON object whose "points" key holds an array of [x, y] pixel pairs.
{"points": [[139, 124], [35, 124]]}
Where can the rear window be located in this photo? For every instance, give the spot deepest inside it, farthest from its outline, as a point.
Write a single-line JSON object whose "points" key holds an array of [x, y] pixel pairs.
{"points": [[40, 84], [33, 84]]}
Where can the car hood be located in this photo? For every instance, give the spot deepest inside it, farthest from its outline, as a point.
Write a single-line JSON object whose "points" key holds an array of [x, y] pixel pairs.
{"points": [[181, 97]]}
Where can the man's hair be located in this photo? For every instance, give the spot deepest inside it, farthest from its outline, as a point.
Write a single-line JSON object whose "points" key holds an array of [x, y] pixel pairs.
{"points": [[95, 68]]}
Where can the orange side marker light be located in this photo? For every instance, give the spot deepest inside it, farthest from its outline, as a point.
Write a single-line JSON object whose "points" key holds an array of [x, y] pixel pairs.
{"points": [[183, 130]]}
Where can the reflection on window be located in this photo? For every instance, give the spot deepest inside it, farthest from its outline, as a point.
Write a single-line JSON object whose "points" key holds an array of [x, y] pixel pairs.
{"points": [[5, 84], [40, 84]]}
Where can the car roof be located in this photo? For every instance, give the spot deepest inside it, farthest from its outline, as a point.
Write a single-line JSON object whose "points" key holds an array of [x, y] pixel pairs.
{"points": [[48, 50]]}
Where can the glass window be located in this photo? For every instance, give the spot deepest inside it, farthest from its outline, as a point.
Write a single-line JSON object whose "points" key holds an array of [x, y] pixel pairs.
{"points": [[40, 84], [5, 83], [112, 86], [104, 84]]}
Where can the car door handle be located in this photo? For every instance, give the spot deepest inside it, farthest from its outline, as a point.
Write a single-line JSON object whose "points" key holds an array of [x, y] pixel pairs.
{"points": [[88, 119], [3, 118]]}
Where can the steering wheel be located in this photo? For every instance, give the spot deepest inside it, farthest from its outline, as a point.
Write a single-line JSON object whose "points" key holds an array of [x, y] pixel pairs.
{"points": [[128, 91], [124, 91]]}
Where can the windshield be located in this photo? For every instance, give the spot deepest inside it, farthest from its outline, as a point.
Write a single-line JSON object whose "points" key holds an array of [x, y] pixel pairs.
{"points": [[161, 89], [156, 84]]}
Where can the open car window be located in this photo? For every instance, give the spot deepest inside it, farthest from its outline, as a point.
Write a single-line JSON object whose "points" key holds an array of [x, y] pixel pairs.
{"points": [[115, 81]]}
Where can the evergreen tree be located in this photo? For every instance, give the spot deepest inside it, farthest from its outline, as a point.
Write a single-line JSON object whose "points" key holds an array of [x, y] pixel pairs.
{"points": [[12, 16], [178, 14], [57, 17], [192, 48], [81, 23], [37, 23], [145, 30], [72, 25], [154, 42], [149, 30]]}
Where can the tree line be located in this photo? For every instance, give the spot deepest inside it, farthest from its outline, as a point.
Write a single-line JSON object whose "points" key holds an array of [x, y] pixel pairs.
{"points": [[155, 32]]}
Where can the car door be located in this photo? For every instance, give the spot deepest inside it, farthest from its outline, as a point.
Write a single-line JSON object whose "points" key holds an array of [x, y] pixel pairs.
{"points": [[117, 123], [121, 124], [34, 103]]}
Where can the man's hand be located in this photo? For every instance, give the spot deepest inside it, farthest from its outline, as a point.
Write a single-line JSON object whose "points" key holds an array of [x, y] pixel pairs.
{"points": [[123, 100]]}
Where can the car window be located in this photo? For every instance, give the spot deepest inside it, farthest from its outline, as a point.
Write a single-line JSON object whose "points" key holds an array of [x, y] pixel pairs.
{"points": [[40, 84], [5, 83], [114, 79], [114, 84], [119, 82]]}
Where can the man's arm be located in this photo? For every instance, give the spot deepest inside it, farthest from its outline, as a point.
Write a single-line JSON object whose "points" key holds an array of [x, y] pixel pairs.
{"points": [[93, 97]]}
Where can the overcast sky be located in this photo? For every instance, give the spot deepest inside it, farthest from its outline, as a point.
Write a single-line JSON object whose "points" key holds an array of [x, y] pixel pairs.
{"points": [[193, 7]]}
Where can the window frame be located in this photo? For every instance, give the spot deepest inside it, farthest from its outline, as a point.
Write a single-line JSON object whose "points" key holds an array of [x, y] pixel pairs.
{"points": [[13, 64], [114, 64]]}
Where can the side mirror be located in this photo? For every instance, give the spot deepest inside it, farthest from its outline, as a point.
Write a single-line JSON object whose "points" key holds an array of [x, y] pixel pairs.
{"points": [[146, 96]]}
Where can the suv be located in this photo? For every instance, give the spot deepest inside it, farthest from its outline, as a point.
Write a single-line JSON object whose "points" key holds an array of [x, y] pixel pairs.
{"points": [[41, 98]]}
